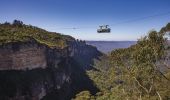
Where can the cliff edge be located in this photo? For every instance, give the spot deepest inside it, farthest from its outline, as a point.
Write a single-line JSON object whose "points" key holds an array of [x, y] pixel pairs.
{"points": [[35, 63]]}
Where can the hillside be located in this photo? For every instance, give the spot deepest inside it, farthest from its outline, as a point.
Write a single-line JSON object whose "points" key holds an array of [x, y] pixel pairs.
{"points": [[140, 72], [17, 31]]}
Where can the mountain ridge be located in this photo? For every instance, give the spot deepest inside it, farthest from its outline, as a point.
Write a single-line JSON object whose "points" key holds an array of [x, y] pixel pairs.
{"points": [[108, 46]]}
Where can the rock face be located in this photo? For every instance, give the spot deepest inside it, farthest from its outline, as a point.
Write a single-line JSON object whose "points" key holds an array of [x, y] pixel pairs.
{"points": [[84, 54], [21, 56], [29, 55], [20, 61], [33, 71]]}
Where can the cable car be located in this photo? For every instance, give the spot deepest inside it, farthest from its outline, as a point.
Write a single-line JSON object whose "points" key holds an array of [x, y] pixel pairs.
{"points": [[104, 29]]}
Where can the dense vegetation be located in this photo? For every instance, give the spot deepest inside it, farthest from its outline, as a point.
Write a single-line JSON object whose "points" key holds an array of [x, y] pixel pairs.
{"points": [[140, 72], [17, 31]]}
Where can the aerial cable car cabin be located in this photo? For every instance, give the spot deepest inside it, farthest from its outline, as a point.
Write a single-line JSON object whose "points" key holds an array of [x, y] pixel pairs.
{"points": [[104, 29]]}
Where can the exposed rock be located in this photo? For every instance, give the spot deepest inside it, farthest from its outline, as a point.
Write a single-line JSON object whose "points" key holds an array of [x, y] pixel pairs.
{"points": [[33, 71], [84, 54]]}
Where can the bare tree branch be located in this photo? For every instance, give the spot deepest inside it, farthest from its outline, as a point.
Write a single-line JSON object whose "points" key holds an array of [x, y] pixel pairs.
{"points": [[160, 98], [141, 85]]}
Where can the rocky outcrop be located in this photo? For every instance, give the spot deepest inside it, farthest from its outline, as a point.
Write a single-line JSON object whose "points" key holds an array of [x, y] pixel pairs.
{"points": [[33, 71], [29, 55], [30, 70], [84, 54], [21, 56]]}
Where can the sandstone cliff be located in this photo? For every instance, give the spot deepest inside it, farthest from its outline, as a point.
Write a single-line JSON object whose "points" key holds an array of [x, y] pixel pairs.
{"points": [[36, 64], [32, 71]]}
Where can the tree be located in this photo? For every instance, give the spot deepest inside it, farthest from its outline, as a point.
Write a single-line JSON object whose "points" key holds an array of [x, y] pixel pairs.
{"points": [[6, 23], [84, 95], [17, 23], [140, 71]]}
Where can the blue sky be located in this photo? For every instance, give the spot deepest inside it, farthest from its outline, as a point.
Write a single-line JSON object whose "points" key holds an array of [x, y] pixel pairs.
{"points": [[87, 15]]}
